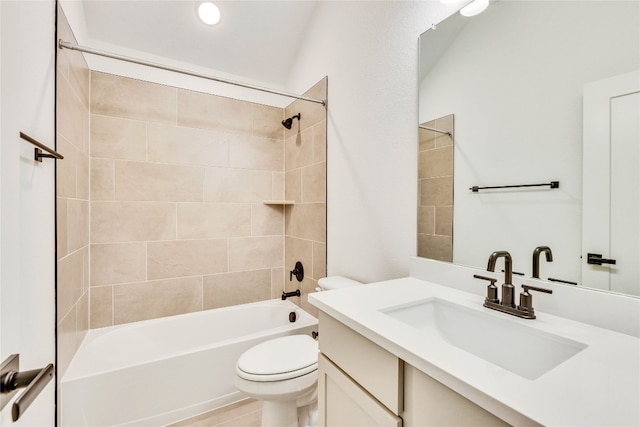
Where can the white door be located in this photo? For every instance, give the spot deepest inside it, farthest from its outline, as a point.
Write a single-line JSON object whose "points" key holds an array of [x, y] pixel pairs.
{"points": [[27, 240], [611, 184]]}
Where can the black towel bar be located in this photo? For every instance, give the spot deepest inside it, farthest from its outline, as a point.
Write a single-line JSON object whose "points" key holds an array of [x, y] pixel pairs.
{"points": [[552, 184], [39, 147]]}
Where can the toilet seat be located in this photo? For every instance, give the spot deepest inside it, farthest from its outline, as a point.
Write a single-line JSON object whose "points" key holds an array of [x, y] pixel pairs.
{"points": [[279, 359]]}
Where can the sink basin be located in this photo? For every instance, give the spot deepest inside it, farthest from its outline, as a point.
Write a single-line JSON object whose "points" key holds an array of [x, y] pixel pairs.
{"points": [[525, 351]]}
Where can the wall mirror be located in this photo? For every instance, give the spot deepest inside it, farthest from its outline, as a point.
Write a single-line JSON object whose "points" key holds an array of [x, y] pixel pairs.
{"points": [[515, 77]]}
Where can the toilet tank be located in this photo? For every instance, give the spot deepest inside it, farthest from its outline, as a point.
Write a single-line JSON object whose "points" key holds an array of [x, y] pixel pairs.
{"points": [[336, 282]]}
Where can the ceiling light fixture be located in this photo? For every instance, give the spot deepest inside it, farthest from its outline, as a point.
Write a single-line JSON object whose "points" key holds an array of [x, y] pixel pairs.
{"points": [[474, 8], [209, 13]]}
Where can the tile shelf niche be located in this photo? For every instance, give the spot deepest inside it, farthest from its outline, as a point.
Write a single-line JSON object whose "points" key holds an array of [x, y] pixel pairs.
{"points": [[278, 202]]}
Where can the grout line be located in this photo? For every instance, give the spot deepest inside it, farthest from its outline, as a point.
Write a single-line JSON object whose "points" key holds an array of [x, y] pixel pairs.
{"points": [[73, 306], [175, 278]]}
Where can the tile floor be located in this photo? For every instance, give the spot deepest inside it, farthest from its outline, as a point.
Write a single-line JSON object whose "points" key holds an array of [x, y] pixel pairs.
{"points": [[241, 414]]}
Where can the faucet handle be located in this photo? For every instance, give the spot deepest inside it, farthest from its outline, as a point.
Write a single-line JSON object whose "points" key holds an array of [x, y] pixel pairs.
{"points": [[297, 271], [526, 299], [527, 288], [492, 289]]}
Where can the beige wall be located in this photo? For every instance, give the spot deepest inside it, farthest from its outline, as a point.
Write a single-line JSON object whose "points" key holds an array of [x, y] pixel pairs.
{"points": [[435, 187], [72, 201], [306, 184], [177, 184]]}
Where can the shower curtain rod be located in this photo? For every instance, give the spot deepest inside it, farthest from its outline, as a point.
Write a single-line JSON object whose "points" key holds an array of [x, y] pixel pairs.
{"points": [[435, 130], [66, 45]]}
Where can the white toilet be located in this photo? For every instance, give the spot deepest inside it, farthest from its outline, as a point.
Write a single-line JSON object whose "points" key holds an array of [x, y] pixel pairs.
{"points": [[283, 373]]}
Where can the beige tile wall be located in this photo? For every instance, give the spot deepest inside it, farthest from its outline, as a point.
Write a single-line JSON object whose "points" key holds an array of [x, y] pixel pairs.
{"points": [[72, 201], [435, 186], [177, 183], [159, 200], [306, 184]]}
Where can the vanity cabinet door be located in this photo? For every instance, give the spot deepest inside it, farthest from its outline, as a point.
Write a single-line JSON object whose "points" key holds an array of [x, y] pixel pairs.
{"points": [[342, 402], [372, 367], [430, 403]]}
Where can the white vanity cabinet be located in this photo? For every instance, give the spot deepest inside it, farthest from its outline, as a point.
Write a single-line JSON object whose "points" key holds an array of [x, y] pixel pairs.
{"points": [[362, 384], [430, 403], [385, 339]]}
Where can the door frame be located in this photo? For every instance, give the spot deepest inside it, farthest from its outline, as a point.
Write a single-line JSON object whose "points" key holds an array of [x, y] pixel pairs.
{"points": [[596, 180]]}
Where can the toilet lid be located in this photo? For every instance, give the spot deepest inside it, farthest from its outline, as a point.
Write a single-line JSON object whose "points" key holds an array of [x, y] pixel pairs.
{"points": [[279, 359]]}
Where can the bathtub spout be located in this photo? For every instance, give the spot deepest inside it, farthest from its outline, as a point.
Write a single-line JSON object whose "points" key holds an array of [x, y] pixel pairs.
{"points": [[286, 295]]}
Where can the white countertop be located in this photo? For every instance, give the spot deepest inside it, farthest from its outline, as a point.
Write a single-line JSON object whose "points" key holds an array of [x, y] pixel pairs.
{"points": [[599, 386]]}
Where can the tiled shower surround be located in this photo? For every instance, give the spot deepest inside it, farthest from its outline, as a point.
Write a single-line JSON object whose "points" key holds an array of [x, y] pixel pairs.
{"points": [[435, 187], [72, 199], [178, 180], [306, 184], [160, 199]]}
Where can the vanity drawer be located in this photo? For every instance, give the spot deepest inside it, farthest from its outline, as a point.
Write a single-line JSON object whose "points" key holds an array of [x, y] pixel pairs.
{"points": [[372, 367]]}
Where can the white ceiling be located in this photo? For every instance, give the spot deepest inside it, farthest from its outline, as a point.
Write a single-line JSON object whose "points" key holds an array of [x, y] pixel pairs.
{"points": [[257, 40]]}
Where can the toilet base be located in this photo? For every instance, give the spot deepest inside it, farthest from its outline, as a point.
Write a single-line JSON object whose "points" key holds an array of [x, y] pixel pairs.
{"points": [[279, 413], [308, 415], [288, 414]]}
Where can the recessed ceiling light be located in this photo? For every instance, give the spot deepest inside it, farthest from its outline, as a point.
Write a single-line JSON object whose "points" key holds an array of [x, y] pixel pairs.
{"points": [[474, 8], [209, 13]]}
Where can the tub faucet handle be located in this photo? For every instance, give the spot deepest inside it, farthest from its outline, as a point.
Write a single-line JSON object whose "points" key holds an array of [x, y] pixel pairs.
{"points": [[297, 271]]}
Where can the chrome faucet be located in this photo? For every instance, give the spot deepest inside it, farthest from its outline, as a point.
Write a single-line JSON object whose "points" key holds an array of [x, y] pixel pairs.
{"points": [[536, 259], [507, 305], [507, 286]]}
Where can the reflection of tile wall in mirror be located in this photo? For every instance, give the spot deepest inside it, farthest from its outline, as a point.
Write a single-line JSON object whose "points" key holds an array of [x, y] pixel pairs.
{"points": [[435, 189]]}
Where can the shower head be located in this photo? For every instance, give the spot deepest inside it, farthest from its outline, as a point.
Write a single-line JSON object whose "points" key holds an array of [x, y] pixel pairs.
{"points": [[288, 122]]}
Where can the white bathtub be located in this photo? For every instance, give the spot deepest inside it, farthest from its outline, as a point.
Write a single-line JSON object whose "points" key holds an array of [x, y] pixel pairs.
{"points": [[156, 372]]}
